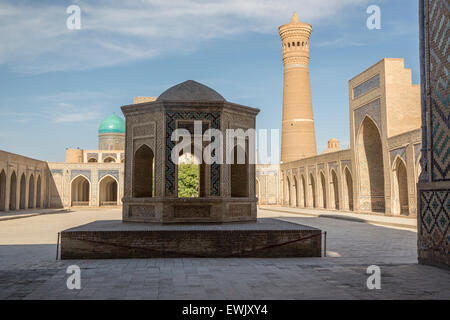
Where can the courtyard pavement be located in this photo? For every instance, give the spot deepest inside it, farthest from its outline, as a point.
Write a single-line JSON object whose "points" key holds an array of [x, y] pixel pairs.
{"points": [[19, 214], [29, 270], [372, 218]]}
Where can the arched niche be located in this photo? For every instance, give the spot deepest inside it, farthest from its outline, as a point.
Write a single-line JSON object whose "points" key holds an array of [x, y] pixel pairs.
{"points": [[31, 192], [312, 191], [323, 190], [334, 194], [2, 190], [108, 191], [80, 191], [400, 188], [370, 156], [348, 185], [239, 173], [13, 192], [23, 192], [143, 172]]}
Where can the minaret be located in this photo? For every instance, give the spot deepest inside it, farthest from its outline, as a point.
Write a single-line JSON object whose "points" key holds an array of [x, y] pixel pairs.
{"points": [[298, 136]]}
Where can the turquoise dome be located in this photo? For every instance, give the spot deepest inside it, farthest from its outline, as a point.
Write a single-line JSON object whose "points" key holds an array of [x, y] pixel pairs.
{"points": [[112, 124]]}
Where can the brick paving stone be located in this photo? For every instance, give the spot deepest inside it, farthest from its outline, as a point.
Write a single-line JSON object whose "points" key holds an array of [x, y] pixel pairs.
{"points": [[28, 269]]}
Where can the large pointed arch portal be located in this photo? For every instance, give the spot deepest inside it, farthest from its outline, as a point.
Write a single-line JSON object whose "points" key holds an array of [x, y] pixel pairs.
{"points": [[370, 154]]}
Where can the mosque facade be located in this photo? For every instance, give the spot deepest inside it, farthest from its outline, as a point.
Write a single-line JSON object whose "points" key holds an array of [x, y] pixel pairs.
{"points": [[92, 178], [88, 178], [378, 173], [380, 170]]}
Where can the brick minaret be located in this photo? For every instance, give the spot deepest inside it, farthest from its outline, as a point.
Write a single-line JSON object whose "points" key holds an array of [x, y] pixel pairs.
{"points": [[298, 135]]}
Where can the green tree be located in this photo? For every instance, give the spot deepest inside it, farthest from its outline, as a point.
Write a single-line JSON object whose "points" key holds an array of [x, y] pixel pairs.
{"points": [[188, 180]]}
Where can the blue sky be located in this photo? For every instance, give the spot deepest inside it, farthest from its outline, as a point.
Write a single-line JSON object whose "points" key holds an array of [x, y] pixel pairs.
{"points": [[56, 85]]}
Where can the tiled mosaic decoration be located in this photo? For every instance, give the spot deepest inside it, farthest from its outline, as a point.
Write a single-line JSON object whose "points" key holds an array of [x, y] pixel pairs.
{"points": [[92, 156], [435, 218], [438, 44], [113, 173], [85, 173], [401, 152], [366, 86], [434, 199], [106, 155], [171, 117], [371, 109]]}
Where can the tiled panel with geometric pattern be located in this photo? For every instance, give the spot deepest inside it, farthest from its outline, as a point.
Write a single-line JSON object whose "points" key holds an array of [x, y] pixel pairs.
{"points": [[434, 221], [113, 173], [171, 117], [433, 187], [438, 44], [366, 86], [85, 173]]}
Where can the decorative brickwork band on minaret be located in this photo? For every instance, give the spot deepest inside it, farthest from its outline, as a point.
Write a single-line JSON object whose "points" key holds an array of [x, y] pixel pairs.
{"points": [[298, 135]]}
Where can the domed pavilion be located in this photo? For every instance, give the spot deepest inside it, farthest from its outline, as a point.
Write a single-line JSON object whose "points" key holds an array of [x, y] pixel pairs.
{"points": [[226, 192], [156, 221]]}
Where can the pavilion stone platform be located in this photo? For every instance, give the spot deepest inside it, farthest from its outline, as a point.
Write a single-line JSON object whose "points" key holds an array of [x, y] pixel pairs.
{"points": [[220, 222], [114, 239]]}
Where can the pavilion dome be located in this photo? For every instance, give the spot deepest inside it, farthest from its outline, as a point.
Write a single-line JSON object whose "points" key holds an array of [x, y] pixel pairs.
{"points": [[190, 91], [112, 124]]}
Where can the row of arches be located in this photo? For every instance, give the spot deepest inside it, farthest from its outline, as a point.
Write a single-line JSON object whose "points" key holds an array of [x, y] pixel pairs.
{"points": [[108, 190], [144, 172], [106, 160], [297, 192], [371, 171], [304, 191], [371, 180], [18, 198]]}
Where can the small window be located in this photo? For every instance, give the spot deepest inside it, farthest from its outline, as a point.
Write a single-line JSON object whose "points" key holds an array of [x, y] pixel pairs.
{"points": [[298, 44], [289, 45]]}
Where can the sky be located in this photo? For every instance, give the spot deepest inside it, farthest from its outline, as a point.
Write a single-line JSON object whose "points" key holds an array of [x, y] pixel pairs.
{"points": [[57, 84]]}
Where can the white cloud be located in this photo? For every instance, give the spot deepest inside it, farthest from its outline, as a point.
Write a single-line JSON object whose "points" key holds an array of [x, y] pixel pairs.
{"points": [[71, 96], [67, 112], [20, 117], [76, 117], [35, 38], [64, 107], [340, 43]]}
